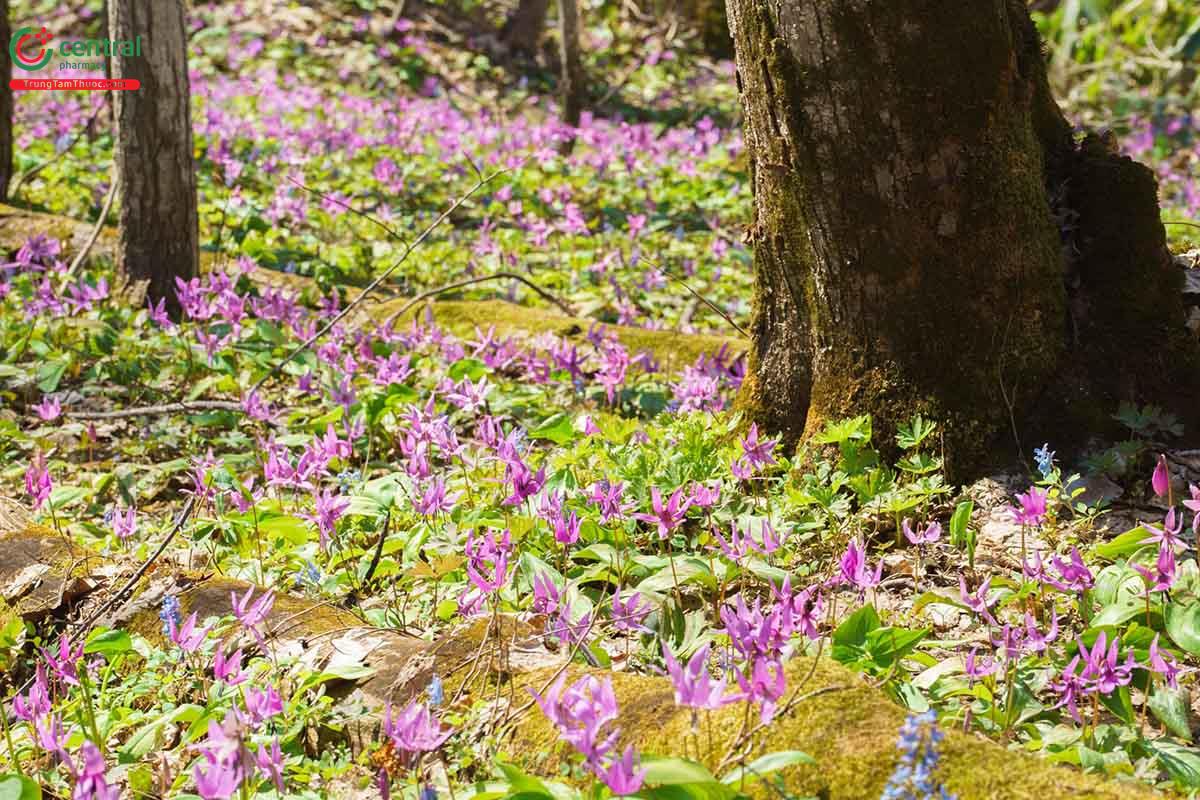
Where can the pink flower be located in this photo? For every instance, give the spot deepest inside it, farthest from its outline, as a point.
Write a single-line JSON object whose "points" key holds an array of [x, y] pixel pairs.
{"points": [[854, 570], [694, 685], [415, 729], [931, 534], [186, 636], [1032, 509], [49, 409], [1160, 481], [38, 484], [667, 516]]}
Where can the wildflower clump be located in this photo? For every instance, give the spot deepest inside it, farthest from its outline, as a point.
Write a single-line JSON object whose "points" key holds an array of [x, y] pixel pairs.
{"points": [[916, 775]]}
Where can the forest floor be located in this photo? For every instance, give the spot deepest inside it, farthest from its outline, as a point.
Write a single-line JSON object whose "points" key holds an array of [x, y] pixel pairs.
{"points": [[221, 563]]}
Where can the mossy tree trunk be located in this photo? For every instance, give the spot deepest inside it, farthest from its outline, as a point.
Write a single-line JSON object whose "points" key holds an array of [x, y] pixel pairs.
{"points": [[572, 87], [6, 104], [923, 238], [159, 236], [522, 31]]}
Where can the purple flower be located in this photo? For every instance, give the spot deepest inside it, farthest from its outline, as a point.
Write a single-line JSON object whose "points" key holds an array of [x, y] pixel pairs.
{"points": [[667, 516], [1035, 640], [64, 663], [763, 683], [931, 534], [1160, 481], [1162, 577], [328, 509], [91, 780], [608, 497], [270, 762], [1076, 577], [1193, 505], [262, 705], [124, 523], [1168, 534], [621, 776], [978, 601], [49, 409], [1102, 671], [854, 570], [629, 614], [252, 614], [976, 668], [694, 686], [186, 636], [415, 729], [1032, 508], [583, 713], [435, 500], [1163, 663], [38, 484], [546, 596], [228, 669]]}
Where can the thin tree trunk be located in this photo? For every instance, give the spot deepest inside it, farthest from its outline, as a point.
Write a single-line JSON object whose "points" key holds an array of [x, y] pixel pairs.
{"points": [[6, 104], [522, 31], [153, 133], [914, 185], [572, 67]]}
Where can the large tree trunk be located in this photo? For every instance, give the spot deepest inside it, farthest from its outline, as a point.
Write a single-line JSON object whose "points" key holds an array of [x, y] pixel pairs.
{"points": [[6, 104], [929, 238], [522, 31], [572, 88], [158, 224]]}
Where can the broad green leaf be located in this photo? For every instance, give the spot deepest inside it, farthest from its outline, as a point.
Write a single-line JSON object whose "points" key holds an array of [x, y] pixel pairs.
{"points": [[109, 643], [764, 765], [1183, 763], [1124, 545], [1183, 625], [149, 736], [1171, 708], [669, 771], [18, 787], [558, 429], [854, 629]]}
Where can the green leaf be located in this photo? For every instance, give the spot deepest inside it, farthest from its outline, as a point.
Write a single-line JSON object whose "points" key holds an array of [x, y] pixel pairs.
{"points": [[558, 429], [150, 735], [664, 771], [1183, 625], [1119, 612], [854, 629], [109, 643], [18, 787], [471, 368], [1124, 545], [49, 374], [764, 765], [1183, 763], [887, 645], [958, 522], [1171, 708]]}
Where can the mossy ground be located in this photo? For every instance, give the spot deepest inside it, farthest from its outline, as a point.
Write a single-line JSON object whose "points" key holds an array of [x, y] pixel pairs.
{"points": [[847, 726]]}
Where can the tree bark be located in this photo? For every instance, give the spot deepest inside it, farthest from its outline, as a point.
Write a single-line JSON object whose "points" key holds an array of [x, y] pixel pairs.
{"points": [[159, 236], [572, 88], [522, 31], [930, 239], [6, 104]]}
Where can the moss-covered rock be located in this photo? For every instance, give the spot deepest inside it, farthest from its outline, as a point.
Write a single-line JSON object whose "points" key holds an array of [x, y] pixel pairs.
{"points": [[846, 725], [41, 570]]}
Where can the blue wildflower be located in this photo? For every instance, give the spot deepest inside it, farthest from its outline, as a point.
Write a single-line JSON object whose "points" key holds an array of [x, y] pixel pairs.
{"points": [[1044, 457], [347, 478], [915, 775], [170, 613], [437, 695], [428, 792], [308, 575]]}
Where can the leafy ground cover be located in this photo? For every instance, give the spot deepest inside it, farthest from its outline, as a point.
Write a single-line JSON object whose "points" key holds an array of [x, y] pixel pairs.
{"points": [[607, 509]]}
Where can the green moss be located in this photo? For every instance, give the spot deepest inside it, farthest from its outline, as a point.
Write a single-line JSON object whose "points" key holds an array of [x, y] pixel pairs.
{"points": [[849, 727]]}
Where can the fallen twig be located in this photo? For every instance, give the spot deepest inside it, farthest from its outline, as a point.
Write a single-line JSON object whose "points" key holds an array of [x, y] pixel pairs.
{"points": [[562, 305], [163, 408], [91, 240], [696, 294], [408, 249], [108, 604]]}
